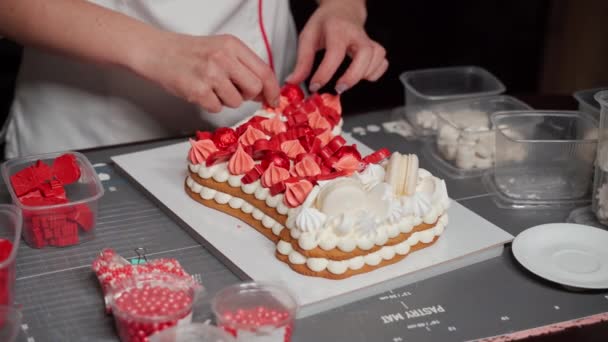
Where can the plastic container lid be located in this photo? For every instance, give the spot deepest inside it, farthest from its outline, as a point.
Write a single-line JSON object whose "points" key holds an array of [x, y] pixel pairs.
{"points": [[195, 332], [442, 84]]}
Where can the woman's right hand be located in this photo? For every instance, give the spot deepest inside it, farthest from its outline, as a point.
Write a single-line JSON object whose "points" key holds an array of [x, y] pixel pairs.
{"points": [[210, 71]]}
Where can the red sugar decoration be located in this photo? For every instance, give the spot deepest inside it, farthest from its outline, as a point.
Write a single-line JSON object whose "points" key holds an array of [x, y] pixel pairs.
{"points": [[377, 156], [41, 185], [224, 137], [218, 157], [254, 174], [66, 169], [292, 92], [200, 135]]}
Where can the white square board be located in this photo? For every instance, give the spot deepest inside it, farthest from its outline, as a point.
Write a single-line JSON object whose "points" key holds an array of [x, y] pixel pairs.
{"points": [[468, 238]]}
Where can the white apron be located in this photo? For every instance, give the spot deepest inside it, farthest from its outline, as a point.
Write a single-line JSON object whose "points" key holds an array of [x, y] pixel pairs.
{"points": [[63, 104]]}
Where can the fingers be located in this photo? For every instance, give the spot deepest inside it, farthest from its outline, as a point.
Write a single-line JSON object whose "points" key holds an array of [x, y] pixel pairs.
{"points": [[357, 68], [334, 55], [376, 74], [378, 58], [208, 100], [307, 48], [228, 94], [270, 85], [246, 81]]}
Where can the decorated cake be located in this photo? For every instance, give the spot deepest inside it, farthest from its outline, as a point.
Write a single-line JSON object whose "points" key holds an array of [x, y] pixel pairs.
{"points": [[332, 213]]}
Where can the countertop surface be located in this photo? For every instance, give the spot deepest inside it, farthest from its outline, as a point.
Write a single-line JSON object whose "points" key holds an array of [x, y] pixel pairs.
{"points": [[61, 299]]}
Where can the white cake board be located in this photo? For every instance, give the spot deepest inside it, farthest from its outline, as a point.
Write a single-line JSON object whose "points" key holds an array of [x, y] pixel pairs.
{"points": [[468, 239]]}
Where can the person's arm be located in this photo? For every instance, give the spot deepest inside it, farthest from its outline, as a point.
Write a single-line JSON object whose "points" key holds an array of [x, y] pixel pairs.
{"points": [[338, 27], [210, 70]]}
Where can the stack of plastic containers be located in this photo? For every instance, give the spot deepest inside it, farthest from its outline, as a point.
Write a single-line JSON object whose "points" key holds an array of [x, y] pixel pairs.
{"points": [[464, 145], [587, 102], [543, 158], [424, 88], [600, 187]]}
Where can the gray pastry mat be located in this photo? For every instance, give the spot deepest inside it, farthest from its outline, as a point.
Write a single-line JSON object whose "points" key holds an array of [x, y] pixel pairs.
{"points": [[61, 300]]}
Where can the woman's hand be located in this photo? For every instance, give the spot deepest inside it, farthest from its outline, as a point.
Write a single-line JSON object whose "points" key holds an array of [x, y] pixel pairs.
{"points": [[338, 27], [211, 71]]}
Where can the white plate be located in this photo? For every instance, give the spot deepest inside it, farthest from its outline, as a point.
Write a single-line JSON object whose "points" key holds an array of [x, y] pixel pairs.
{"points": [[569, 254]]}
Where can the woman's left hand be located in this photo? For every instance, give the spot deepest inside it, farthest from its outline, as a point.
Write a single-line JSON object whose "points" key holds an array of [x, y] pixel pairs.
{"points": [[338, 27]]}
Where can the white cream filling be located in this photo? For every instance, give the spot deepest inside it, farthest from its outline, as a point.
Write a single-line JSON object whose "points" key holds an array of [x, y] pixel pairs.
{"points": [[372, 259], [326, 239], [235, 203]]}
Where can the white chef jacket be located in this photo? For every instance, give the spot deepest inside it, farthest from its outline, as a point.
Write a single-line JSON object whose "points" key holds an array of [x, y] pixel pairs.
{"points": [[64, 104]]}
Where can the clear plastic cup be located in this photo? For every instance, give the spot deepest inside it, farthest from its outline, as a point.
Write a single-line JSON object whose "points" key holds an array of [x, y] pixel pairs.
{"points": [[256, 312], [10, 234], [148, 303], [195, 332], [543, 158], [59, 225], [10, 323], [432, 86]]}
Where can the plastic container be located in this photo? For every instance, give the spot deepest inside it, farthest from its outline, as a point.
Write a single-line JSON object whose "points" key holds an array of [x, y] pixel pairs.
{"points": [[148, 303], [431, 86], [464, 145], [60, 224], [256, 312], [10, 235], [10, 323], [587, 102], [543, 158], [195, 332], [600, 185]]}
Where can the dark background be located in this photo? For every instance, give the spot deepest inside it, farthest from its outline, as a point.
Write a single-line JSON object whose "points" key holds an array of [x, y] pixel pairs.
{"points": [[533, 46], [505, 37]]}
